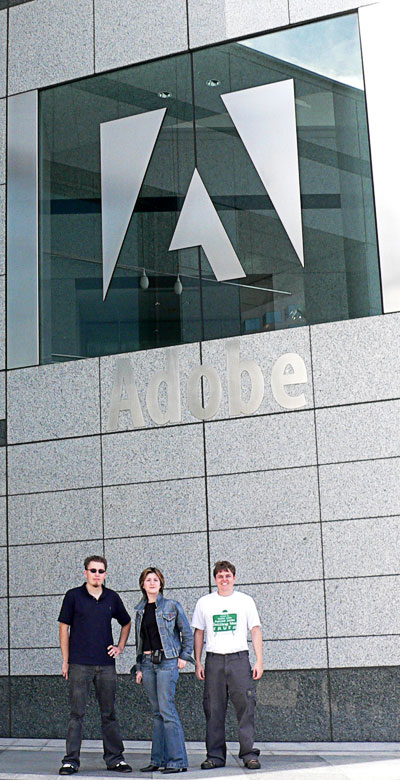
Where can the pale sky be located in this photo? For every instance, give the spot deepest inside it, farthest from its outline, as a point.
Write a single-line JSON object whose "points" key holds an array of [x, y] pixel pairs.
{"points": [[330, 48]]}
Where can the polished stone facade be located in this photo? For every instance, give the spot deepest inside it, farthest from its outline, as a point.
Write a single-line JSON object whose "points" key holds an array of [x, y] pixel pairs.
{"points": [[306, 503]]}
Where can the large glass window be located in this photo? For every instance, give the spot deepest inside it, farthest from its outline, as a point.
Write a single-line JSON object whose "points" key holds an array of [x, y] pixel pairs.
{"points": [[143, 307]]}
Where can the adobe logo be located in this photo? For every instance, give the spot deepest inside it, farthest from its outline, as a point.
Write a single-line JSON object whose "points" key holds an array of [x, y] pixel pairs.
{"points": [[265, 120]]}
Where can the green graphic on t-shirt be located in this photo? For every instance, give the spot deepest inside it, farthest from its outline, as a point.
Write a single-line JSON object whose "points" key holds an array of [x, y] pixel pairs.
{"points": [[227, 621]]}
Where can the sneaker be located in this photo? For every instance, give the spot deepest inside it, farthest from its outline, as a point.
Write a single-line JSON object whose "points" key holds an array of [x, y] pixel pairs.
{"points": [[68, 769]]}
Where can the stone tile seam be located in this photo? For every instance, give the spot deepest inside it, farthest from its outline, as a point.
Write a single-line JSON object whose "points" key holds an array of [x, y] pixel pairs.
{"points": [[94, 35], [142, 534], [240, 585], [315, 638], [311, 19], [205, 478], [167, 427], [101, 448], [159, 481], [219, 420], [329, 690], [110, 485], [187, 25], [9, 708]]}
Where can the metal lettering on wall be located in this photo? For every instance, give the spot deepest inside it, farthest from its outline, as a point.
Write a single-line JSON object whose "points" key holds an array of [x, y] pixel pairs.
{"points": [[204, 406]]}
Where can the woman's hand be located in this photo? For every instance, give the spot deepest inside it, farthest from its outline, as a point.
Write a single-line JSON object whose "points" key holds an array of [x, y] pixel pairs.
{"points": [[139, 677], [181, 663]]}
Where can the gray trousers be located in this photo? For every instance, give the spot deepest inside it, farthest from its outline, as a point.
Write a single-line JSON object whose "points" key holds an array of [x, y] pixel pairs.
{"points": [[229, 675], [80, 680]]}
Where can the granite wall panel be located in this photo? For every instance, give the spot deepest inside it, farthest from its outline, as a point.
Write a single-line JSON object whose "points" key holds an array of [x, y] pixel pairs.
{"points": [[356, 360], [277, 554], [364, 489], [4, 670], [33, 620], [155, 508], [365, 704], [3, 521], [362, 548], [36, 662], [259, 443], [5, 726], [291, 705], [290, 610], [129, 31], [56, 517], [3, 400], [2, 209], [2, 323], [363, 651], [216, 21], [295, 654], [361, 432], [3, 57], [363, 606], [54, 465], [53, 402], [300, 10], [3, 475], [181, 557], [49, 41], [153, 455], [260, 498], [3, 137], [3, 571], [53, 568], [3, 623]]}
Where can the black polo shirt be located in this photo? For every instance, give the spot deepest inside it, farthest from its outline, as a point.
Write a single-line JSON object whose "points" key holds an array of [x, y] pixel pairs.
{"points": [[90, 624]]}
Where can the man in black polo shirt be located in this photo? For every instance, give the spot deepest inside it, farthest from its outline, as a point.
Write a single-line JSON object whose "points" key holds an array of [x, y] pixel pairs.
{"points": [[89, 656]]}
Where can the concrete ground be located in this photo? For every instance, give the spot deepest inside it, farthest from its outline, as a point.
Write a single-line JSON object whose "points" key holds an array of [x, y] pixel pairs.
{"points": [[39, 759]]}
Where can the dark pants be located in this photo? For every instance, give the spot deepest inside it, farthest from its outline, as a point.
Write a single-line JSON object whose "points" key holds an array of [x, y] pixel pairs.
{"points": [[229, 675], [105, 683]]}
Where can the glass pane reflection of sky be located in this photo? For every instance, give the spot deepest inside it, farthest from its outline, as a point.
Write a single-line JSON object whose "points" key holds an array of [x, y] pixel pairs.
{"points": [[330, 48]]}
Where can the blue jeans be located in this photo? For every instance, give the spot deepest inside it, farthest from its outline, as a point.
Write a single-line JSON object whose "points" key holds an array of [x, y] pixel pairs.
{"points": [[159, 680]]}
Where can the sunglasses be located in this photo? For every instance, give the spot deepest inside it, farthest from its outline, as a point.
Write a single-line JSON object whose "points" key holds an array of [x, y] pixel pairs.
{"points": [[97, 571]]}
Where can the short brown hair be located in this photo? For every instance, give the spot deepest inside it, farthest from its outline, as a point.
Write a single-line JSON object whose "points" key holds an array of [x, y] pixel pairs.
{"points": [[151, 570], [223, 566], [97, 558]]}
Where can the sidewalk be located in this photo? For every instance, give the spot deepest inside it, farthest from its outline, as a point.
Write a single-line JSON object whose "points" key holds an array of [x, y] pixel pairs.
{"points": [[39, 759]]}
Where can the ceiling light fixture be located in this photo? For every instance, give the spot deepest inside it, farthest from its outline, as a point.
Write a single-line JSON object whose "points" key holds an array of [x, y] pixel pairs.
{"points": [[164, 94], [144, 280], [213, 82], [178, 286]]}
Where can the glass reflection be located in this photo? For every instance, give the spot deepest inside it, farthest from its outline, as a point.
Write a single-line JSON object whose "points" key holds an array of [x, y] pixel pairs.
{"points": [[340, 278], [75, 320]]}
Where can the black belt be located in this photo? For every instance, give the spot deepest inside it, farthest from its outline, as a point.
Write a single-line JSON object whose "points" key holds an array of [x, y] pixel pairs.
{"points": [[221, 655]]}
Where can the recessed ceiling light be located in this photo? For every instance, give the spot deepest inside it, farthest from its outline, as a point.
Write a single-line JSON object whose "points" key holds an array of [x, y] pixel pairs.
{"points": [[164, 94], [213, 82]]}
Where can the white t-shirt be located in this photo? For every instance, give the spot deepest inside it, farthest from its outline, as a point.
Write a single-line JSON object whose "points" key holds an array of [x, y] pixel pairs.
{"points": [[226, 621]]}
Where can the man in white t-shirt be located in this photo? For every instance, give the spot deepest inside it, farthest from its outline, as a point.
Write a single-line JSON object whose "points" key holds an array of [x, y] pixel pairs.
{"points": [[226, 616]]}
